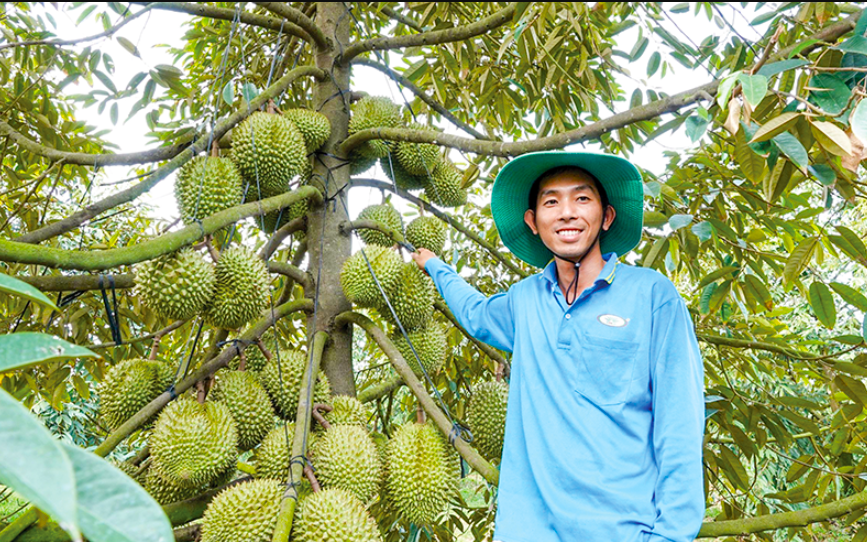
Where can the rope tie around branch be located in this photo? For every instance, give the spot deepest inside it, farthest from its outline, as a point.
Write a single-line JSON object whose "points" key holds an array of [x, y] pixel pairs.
{"points": [[111, 313]]}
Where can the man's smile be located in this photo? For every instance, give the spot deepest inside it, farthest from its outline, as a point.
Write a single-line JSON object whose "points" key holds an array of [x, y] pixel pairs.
{"points": [[569, 234]]}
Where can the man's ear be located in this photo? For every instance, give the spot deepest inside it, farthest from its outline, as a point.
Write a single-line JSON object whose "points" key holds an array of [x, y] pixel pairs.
{"points": [[530, 220], [610, 214]]}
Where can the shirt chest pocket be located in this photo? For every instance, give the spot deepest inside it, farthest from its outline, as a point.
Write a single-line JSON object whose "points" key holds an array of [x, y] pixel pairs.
{"points": [[606, 368]]}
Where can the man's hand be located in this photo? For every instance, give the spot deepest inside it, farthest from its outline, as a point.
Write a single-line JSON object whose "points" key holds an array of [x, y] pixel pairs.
{"points": [[421, 256]]}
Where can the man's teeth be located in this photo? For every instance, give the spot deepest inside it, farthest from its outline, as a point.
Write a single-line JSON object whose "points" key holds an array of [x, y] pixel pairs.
{"points": [[568, 234]]}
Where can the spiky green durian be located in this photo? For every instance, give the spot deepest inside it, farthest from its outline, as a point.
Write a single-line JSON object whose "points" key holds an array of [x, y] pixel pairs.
{"points": [[255, 359], [421, 476], [285, 393], [373, 112], [243, 512], [401, 177], [486, 416], [129, 386], [358, 284], [249, 404], [413, 301], [386, 215], [269, 149], [314, 126], [335, 515], [430, 344], [418, 158], [427, 232], [176, 286], [206, 185], [241, 292], [165, 492], [445, 186], [346, 457], [346, 410], [359, 163], [193, 444], [133, 471]]}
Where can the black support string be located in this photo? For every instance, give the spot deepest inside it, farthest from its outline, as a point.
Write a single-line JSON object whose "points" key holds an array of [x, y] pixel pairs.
{"points": [[111, 313]]}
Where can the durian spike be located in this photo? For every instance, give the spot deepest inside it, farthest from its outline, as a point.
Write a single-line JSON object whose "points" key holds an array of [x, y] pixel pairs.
{"points": [[320, 419], [308, 472]]}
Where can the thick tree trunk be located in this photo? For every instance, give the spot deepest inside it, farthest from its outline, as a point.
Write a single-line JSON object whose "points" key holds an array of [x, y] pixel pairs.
{"points": [[328, 247]]}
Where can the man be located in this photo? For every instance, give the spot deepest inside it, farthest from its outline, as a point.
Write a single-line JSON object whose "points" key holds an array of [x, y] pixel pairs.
{"points": [[606, 413]]}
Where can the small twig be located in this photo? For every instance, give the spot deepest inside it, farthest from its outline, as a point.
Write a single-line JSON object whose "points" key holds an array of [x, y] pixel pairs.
{"points": [[215, 254], [308, 472], [242, 365], [320, 419], [767, 52]]}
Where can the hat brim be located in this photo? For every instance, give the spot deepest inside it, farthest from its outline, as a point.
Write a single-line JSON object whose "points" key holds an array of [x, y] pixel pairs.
{"points": [[619, 178]]}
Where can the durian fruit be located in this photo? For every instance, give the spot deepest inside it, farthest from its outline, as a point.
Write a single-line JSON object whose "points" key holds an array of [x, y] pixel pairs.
{"points": [[346, 410], [272, 456], [445, 186], [249, 404], [359, 163], [206, 185], [243, 512], [241, 292], [255, 359], [486, 417], [381, 442], [165, 492], [418, 158], [413, 301], [430, 344], [193, 444], [427, 232], [401, 177], [133, 471], [285, 394], [357, 282], [335, 515], [129, 386], [346, 457], [373, 112], [386, 215], [268, 148], [176, 286], [314, 126], [421, 475]]}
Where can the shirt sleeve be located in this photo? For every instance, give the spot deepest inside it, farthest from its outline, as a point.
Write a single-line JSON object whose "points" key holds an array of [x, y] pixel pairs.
{"points": [[678, 424], [488, 319]]}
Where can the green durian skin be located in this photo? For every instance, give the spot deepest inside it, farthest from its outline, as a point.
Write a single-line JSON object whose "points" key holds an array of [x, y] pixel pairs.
{"points": [[129, 386], [269, 151], [427, 232], [272, 456], [418, 158], [421, 473], [359, 163], [255, 359], [193, 444], [445, 186], [243, 512], [165, 492], [335, 515], [242, 288], [206, 185], [285, 395], [177, 286], [429, 343], [413, 301], [313, 125], [486, 417], [401, 177], [249, 404], [385, 214], [346, 410], [346, 458], [357, 282], [373, 112]]}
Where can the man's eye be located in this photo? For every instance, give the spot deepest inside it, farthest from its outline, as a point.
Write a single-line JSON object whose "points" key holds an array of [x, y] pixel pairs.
{"points": [[550, 201]]}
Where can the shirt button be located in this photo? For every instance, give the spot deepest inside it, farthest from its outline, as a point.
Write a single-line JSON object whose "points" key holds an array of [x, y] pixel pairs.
{"points": [[568, 316]]}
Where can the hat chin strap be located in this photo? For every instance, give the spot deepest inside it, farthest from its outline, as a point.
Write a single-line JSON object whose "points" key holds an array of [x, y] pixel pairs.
{"points": [[573, 285]]}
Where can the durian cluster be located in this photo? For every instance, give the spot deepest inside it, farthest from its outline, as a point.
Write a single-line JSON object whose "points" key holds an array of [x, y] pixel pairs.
{"points": [[411, 166]]}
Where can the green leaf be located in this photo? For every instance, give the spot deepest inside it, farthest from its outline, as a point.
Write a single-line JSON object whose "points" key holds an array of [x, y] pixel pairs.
{"points": [[823, 173], [850, 368], [734, 469], [822, 303], [752, 165], [682, 7], [851, 296], [851, 245], [167, 71], [829, 92], [654, 219], [725, 90], [864, 328], [679, 221], [111, 506], [13, 286], [831, 138], [659, 247], [703, 230], [113, 113], [129, 46], [84, 14], [774, 68], [716, 275], [106, 80], [228, 93], [653, 63], [861, 25], [27, 348], [775, 126], [858, 120], [249, 91], [754, 88], [704, 299], [34, 464], [799, 258], [639, 48], [696, 127], [855, 44], [854, 389], [792, 148], [759, 291]]}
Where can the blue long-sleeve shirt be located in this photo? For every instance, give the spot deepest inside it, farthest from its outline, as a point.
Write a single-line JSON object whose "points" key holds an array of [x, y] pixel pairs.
{"points": [[606, 413]]}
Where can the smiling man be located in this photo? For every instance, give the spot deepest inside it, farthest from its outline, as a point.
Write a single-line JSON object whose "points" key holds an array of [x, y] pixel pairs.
{"points": [[606, 413]]}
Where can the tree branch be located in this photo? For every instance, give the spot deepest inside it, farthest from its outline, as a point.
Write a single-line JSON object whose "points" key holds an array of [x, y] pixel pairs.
{"points": [[434, 37], [14, 251], [72, 222], [227, 14], [380, 390], [295, 273], [401, 18], [298, 18], [347, 226], [433, 104], [448, 219], [469, 453], [164, 331], [294, 225], [489, 351], [57, 42], [759, 345]]}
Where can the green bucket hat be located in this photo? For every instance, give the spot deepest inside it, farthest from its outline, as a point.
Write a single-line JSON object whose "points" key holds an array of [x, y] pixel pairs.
{"points": [[620, 179]]}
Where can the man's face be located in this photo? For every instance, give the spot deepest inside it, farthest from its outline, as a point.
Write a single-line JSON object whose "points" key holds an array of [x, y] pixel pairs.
{"points": [[568, 214]]}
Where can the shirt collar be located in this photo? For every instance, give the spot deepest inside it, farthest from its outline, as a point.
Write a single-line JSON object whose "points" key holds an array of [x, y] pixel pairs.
{"points": [[606, 275]]}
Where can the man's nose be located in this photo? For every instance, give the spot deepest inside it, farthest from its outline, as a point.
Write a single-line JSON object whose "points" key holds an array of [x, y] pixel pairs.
{"points": [[569, 210]]}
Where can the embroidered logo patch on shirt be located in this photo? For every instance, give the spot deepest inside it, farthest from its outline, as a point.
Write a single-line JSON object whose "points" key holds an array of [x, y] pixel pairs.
{"points": [[612, 320]]}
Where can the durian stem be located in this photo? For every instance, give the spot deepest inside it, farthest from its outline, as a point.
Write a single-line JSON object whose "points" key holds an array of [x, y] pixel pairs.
{"points": [[473, 458], [320, 419], [215, 149], [286, 515], [264, 349], [419, 414], [215, 254], [308, 473], [348, 225], [142, 454], [242, 365], [272, 107], [155, 347]]}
